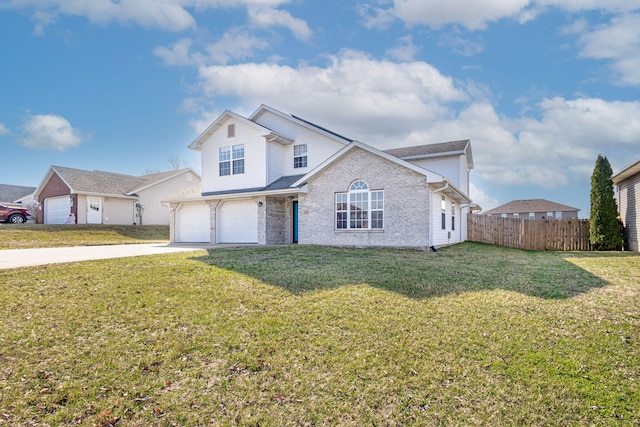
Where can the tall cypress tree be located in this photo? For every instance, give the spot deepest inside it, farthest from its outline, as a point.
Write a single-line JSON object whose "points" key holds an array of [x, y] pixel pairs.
{"points": [[604, 228]]}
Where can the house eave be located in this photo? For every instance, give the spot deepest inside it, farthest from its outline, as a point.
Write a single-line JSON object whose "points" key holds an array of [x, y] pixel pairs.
{"points": [[626, 173]]}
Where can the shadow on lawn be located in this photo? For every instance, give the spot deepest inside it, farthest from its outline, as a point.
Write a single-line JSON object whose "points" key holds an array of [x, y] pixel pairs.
{"points": [[466, 267]]}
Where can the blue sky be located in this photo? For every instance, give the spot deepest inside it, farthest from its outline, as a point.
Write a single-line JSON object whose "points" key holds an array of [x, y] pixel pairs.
{"points": [[541, 87]]}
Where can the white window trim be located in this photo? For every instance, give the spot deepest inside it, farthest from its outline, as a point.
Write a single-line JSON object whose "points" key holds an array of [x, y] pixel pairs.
{"points": [[339, 199], [301, 156]]}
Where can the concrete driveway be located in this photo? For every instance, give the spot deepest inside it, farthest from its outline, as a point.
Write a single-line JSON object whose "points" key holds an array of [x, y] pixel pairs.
{"points": [[15, 258]]}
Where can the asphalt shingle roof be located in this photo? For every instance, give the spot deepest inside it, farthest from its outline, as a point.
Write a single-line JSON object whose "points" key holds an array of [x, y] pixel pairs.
{"points": [[428, 149], [281, 183], [11, 193], [101, 182]]}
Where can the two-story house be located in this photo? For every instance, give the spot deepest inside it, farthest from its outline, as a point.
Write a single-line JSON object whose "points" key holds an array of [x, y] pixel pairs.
{"points": [[274, 178]]}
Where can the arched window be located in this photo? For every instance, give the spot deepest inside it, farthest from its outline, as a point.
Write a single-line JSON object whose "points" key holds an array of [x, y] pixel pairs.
{"points": [[360, 208]]}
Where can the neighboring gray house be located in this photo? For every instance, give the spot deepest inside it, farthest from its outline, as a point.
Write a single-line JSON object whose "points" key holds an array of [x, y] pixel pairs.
{"points": [[15, 193], [628, 182], [534, 209], [275, 178], [98, 197]]}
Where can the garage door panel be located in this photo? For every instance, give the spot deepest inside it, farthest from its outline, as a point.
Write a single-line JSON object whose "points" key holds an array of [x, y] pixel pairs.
{"points": [[238, 222], [56, 209], [193, 223]]}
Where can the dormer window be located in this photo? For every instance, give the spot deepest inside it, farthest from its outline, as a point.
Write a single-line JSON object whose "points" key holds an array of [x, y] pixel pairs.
{"points": [[231, 131], [300, 156]]}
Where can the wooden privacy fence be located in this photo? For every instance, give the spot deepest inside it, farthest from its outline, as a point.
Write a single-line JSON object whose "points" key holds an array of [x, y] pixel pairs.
{"points": [[530, 234]]}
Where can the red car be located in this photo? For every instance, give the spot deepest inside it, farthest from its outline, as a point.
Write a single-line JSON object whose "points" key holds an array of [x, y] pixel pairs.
{"points": [[14, 215]]}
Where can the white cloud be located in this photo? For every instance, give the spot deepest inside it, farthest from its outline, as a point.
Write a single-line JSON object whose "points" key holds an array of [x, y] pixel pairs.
{"points": [[460, 45], [267, 17], [478, 14], [619, 42], [3, 129], [51, 132], [555, 150], [235, 44], [178, 54], [405, 50], [481, 198], [472, 15], [373, 99], [172, 15]]}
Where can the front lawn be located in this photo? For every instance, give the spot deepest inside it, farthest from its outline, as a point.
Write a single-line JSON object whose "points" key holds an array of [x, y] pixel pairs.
{"points": [[300, 335], [22, 236]]}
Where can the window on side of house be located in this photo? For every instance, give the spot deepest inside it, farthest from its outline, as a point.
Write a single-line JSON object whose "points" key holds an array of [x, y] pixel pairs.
{"points": [[516, 215], [453, 217], [532, 215], [224, 159], [550, 215], [360, 208], [443, 215], [238, 159], [300, 156], [559, 215], [231, 131]]}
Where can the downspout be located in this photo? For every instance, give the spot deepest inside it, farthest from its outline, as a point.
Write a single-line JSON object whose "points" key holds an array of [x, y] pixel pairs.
{"points": [[444, 187]]}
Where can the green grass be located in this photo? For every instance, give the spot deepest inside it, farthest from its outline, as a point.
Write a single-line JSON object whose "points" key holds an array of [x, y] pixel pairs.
{"points": [[21, 236], [472, 335]]}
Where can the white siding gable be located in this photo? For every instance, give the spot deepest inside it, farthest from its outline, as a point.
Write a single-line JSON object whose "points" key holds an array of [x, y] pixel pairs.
{"points": [[319, 146], [255, 158], [454, 168]]}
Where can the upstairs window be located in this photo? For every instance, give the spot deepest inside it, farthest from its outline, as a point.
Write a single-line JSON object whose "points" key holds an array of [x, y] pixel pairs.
{"points": [[300, 156], [238, 159], [231, 131], [231, 160], [224, 157], [360, 208]]}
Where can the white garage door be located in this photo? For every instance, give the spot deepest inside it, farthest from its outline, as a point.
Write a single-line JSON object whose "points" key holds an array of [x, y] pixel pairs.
{"points": [[238, 222], [56, 209], [193, 223]]}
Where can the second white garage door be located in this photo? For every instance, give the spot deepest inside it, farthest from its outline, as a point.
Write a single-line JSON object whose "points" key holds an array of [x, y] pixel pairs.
{"points": [[238, 222], [56, 209], [193, 223]]}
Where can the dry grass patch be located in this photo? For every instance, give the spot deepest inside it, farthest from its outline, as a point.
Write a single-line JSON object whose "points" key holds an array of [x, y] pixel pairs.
{"points": [[323, 336]]}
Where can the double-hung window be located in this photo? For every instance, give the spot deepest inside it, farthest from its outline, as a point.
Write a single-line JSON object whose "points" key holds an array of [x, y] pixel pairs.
{"points": [[231, 160], [443, 215], [360, 208], [238, 159], [224, 157], [300, 156]]}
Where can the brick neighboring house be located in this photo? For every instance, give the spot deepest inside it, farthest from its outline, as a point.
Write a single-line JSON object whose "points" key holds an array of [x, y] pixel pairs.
{"points": [[98, 197], [275, 178], [534, 209], [628, 182]]}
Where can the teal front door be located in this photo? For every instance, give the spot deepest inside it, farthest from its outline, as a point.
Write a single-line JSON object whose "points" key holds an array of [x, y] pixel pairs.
{"points": [[295, 222]]}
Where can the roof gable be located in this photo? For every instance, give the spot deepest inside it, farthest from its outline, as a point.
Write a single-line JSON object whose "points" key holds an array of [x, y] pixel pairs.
{"points": [[430, 177], [263, 109], [213, 127]]}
